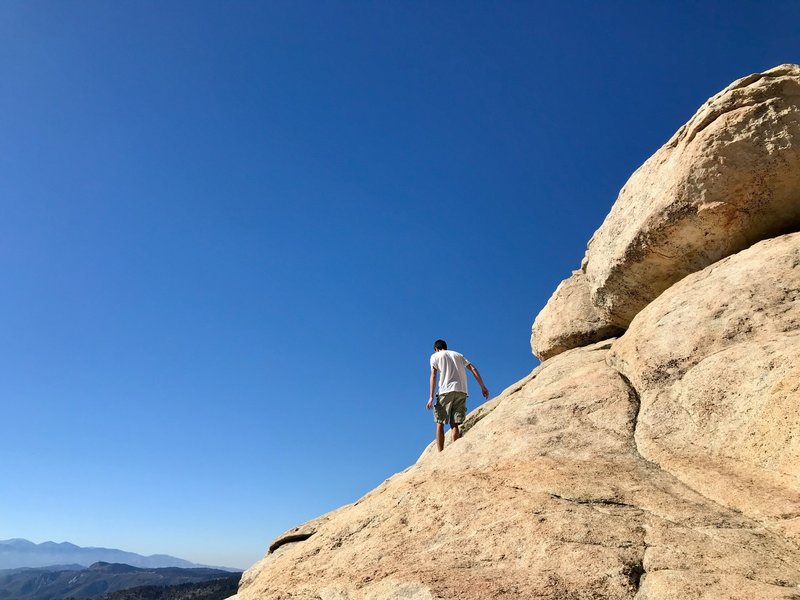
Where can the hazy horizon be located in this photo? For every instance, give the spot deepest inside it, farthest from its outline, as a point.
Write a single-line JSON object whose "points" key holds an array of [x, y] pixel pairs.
{"points": [[73, 555]]}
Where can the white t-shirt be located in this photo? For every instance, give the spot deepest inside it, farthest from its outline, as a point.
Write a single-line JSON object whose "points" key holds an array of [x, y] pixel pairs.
{"points": [[452, 368]]}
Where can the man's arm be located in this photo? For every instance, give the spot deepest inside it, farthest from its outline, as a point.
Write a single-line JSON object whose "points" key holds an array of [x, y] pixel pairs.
{"points": [[484, 389], [429, 405]]}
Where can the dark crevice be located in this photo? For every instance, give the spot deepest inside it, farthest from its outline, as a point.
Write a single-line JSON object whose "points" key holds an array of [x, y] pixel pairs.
{"points": [[289, 539], [603, 501], [634, 573], [636, 400]]}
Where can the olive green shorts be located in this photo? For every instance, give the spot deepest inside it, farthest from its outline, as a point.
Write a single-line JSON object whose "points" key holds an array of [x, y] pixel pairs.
{"points": [[450, 408]]}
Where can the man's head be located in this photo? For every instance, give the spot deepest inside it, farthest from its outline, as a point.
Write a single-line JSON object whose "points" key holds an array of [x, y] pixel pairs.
{"points": [[439, 345]]}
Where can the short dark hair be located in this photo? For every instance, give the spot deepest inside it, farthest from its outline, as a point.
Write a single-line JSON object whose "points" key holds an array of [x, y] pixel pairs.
{"points": [[440, 345]]}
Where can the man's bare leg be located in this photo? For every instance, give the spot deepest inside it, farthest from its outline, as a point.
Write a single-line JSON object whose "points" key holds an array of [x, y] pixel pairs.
{"points": [[440, 436], [456, 432]]}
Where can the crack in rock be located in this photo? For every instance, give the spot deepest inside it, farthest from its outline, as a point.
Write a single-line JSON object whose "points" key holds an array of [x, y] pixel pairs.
{"points": [[289, 539], [636, 572], [636, 399], [603, 501]]}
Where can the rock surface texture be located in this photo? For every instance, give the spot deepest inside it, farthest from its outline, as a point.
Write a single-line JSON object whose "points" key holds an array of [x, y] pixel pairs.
{"points": [[663, 464], [716, 362], [727, 179], [570, 320]]}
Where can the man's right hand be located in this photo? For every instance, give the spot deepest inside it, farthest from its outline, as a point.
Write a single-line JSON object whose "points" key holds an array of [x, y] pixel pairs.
{"points": [[429, 405]]}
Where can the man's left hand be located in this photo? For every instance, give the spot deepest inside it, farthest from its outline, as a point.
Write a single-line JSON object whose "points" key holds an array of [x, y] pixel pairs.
{"points": [[429, 405]]}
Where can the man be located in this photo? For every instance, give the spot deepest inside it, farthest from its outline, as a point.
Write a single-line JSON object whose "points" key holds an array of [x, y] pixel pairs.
{"points": [[451, 402]]}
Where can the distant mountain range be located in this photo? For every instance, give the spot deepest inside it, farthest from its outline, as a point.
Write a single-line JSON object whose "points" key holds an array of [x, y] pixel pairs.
{"points": [[19, 553], [104, 578]]}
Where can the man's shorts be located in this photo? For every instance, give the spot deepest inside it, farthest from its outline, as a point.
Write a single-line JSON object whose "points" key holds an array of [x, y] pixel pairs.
{"points": [[450, 408]]}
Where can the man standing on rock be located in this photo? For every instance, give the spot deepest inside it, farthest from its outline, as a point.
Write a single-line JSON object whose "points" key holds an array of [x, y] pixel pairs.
{"points": [[451, 402]]}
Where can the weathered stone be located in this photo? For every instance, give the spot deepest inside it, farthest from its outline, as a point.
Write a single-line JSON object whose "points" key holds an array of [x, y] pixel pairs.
{"points": [[570, 320], [716, 362], [545, 496], [727, 179], [680, 585]]}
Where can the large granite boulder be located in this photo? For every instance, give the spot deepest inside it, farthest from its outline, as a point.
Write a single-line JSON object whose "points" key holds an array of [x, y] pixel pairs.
{"points": [[727, 179], [716, 362]]}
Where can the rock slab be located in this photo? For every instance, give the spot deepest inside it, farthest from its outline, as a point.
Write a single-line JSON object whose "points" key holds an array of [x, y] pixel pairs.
{"points": [[716, 362], [545, 496]]}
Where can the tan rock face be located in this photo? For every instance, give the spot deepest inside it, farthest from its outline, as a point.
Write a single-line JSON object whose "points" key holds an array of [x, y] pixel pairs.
{"points": [[728, 178], [545, 496], [570, 320], [716, 361]]}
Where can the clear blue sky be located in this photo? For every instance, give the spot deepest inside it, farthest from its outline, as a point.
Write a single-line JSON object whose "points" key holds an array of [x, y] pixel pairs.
{"points": [[231, 231]]}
